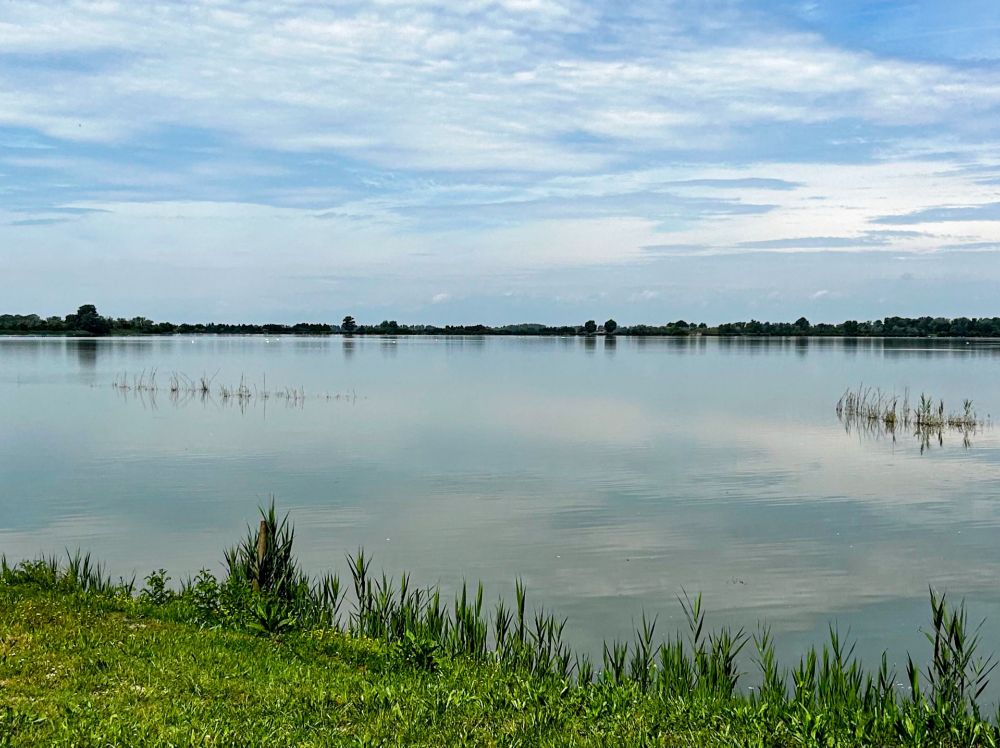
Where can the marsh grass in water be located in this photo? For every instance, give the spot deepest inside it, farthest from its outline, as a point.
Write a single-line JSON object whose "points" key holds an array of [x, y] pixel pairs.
{"points": [[871, 411], [182, 390], [275, 655]]}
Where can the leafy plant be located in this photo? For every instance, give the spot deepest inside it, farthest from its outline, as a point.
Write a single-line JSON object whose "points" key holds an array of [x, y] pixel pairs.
{"points": [[156, 590], [204, 595], [271, 615], [420, 651]]}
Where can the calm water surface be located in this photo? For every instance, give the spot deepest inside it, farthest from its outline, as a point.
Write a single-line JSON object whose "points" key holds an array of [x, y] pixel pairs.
{"points": [[608, 475]]}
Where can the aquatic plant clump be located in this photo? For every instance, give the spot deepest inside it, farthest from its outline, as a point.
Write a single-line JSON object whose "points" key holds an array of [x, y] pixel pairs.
{"points": [[182, 389], [871, 410]]}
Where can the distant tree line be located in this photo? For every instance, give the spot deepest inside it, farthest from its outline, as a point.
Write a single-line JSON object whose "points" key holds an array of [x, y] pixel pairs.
{"points": [[890, 327], [87, 321]]}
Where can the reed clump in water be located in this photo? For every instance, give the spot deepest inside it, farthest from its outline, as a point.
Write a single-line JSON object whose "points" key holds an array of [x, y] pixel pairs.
{"points": [[138, 382], [183, 389], [871, 410]]}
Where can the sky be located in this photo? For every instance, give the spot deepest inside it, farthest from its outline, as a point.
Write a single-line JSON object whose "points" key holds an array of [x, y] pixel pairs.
{"points": [[444, 161]]}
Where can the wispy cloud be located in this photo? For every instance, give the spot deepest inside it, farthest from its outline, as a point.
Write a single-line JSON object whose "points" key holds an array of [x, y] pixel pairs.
{"points": [[38, 221], [436, 85], [986, 212], [753, 183], [646, 294], [811, 242]]}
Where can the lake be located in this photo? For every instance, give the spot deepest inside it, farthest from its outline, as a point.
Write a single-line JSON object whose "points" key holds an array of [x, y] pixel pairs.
{"points": [[608, 474]]}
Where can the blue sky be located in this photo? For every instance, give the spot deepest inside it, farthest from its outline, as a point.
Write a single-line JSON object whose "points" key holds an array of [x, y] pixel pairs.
{"points": [[518, 160]]}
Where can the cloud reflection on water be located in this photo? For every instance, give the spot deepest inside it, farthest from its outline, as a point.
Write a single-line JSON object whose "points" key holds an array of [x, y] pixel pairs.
{"points": [[607, 482]]}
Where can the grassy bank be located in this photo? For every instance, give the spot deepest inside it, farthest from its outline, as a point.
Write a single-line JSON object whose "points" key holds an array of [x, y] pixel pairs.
{"points": [[84, 670], [267, 656]]}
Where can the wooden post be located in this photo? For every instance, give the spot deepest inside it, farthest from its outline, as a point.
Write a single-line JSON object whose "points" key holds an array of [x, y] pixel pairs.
{"points": [[261, 553]]}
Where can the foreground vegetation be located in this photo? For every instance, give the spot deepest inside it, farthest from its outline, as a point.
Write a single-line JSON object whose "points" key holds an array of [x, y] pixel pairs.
{"points": [[87, 321], [267, 656]]}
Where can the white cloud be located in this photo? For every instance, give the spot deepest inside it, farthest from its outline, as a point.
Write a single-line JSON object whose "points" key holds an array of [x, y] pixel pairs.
{"points": [[440, 298], [433, 85]]}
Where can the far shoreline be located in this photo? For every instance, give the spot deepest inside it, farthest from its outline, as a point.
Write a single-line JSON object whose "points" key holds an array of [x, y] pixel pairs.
{"points": [[8, 334], [88, 322]]}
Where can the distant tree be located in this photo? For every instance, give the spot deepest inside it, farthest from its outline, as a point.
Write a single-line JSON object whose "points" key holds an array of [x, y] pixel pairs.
{"points": [[851, 327], [590, 327], [88, 320], [610, 326], [802, 324], [348, 325], [140, 324]]}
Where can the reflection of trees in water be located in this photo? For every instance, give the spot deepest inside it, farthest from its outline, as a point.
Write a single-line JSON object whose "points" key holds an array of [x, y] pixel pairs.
{"points": [[389, 346], [86, 353], [464, 341], [887, 347], [937, 347], [875, 414], [182, 390]]}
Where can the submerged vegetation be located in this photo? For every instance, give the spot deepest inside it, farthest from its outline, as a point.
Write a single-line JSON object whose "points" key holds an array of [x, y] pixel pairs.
{"points": [[872, 411], [268, 654]]}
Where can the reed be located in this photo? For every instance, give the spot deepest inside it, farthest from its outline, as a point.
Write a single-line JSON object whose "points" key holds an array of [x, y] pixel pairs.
{"points": [[78, 573], [872, 411], [139, 382], [183, 389]]}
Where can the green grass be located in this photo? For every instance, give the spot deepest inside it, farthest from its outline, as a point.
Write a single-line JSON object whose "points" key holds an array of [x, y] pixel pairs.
{"points": [[79, 669], [269, 657]]}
